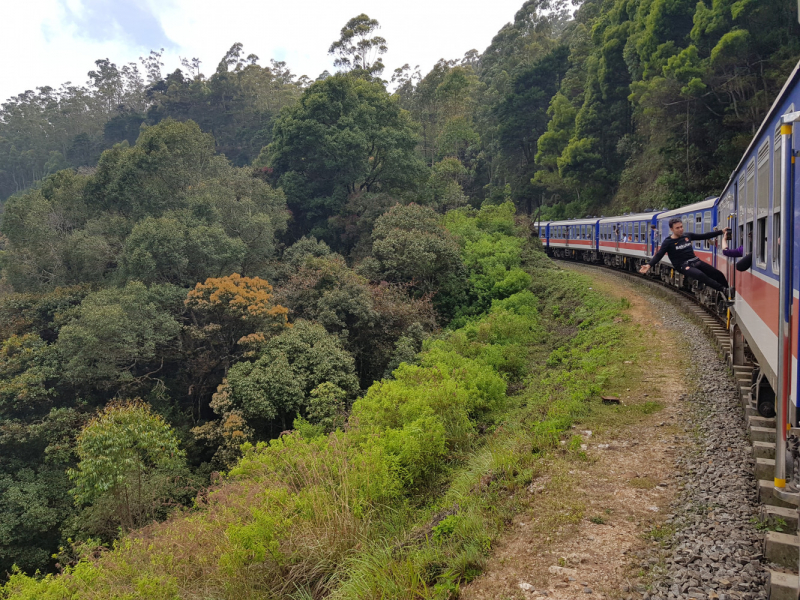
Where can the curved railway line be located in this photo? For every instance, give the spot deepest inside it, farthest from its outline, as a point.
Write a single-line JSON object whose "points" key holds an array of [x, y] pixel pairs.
{"points": [[781, 549]]}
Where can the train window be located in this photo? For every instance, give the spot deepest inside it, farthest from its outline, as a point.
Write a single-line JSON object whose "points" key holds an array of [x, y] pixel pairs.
{"points": [[635, 232], [741, 204], [776, 235], [762, 203], [751, 192], [698, 228], [707, 227], [761, 232], [644, 232]]}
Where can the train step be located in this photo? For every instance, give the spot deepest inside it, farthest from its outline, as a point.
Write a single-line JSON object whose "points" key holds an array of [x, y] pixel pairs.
{"points": [[782, 549]]}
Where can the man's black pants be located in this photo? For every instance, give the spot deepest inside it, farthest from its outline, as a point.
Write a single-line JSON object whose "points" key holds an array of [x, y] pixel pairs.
{"points": [[705, 273]]}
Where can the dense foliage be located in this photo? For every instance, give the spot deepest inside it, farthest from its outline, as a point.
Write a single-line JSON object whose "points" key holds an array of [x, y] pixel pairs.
{"points": [[309, 301]]}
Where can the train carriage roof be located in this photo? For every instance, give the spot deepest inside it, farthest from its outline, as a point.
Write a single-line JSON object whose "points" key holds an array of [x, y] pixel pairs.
{"points": [[591, 221], [646, 216], [704, 205]]}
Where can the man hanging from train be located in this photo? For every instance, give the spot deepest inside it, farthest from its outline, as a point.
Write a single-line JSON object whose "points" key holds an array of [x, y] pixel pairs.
{"points": [[678, 247]]}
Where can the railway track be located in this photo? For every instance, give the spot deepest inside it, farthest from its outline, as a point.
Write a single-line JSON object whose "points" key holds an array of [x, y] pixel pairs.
{"points": [[781, 549]]}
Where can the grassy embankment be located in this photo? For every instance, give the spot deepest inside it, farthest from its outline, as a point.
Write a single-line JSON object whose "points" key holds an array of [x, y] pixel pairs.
{"points": [[407, 501]]}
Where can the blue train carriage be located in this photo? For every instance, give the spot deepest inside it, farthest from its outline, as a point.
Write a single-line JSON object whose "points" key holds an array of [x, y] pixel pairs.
{"points": [[540, 229], [575, 239], [628, 241], [700, 217], [762, 328]]}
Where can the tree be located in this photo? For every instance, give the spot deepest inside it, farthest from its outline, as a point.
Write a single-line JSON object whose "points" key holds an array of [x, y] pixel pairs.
{"points": [[151, 177], [278, 384], [34, 487], [228, 317], [356, 51], [345, 136], [119, 451], [412, 247], [118, 336], [523, 118], [26, 375], [367, 317], [235, 306], [174, 249]]}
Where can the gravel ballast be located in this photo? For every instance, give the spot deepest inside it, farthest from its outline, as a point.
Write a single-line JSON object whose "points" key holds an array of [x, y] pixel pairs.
{"points": [[715, 551]]}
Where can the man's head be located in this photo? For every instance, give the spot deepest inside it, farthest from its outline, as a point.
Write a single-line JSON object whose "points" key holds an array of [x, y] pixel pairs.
{"points": [[676, 226]]}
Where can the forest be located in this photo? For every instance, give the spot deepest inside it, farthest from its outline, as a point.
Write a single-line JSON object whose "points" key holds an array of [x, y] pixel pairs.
{"points": [[211, 280]]}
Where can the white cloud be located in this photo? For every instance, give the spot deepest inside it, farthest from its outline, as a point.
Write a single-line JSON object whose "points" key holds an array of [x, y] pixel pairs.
{"points": [[42, 43]]}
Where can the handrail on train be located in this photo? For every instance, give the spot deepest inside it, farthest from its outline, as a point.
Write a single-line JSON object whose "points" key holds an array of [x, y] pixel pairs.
{"points": [[786, 298]]}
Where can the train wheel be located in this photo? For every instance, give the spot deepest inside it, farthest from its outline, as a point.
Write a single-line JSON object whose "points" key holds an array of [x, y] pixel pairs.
{"points": [[766, 402]]}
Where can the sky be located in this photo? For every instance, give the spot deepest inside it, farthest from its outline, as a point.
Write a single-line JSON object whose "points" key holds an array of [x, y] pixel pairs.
{"points": [[50, 42]]}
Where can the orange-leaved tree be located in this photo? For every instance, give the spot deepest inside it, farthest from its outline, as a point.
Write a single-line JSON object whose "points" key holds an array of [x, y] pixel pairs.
{"points": [[227, 315]]}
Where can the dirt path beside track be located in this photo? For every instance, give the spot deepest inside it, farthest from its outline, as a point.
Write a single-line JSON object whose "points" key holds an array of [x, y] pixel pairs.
{"points": [[605, 526]]}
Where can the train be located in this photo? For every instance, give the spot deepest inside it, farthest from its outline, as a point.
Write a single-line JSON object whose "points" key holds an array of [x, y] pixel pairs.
{"points": [[758, 203]]}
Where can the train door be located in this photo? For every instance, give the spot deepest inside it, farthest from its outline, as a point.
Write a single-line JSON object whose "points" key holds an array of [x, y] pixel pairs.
{"points": [[617, 234]]}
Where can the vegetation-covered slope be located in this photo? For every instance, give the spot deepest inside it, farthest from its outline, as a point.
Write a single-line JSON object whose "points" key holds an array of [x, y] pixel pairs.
{"points": [[314, 514], [193, 265]]}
